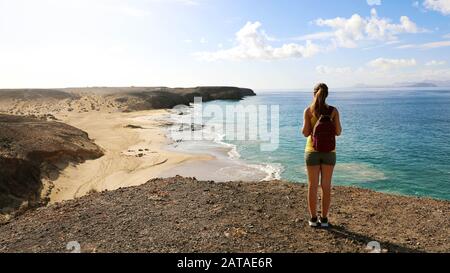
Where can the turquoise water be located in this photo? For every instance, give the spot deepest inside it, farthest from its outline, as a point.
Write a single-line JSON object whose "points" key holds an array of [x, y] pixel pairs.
{"points": [[393, 141]]}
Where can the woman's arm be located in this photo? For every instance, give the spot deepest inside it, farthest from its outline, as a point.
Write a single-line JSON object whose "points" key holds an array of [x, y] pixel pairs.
{"points": [[307, 130], [337, 122]]}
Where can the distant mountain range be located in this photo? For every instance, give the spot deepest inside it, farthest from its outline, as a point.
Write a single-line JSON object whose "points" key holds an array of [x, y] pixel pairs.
{"points": [[422, 84]]}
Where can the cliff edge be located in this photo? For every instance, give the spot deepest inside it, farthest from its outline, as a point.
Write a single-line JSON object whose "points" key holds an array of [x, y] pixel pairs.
{"points": [[185, 215], [32, 149], [109, 99]]}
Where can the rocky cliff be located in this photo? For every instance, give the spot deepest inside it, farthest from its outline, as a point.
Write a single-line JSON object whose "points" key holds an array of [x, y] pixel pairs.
{"points": [[162, 98], [32, 149], [109, 99]]}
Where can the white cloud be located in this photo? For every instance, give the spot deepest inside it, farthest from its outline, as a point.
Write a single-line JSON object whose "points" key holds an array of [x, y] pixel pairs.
{"points": [[431, 74], [426, 45], [374, 2], [252, 43], [349, 31], [442, 6], [381, 45], [384, 71], [315, 36], [446, 36], [386, 64], [435, 63], [328, 70], [407, 46], [436, 44], [378, 66]]}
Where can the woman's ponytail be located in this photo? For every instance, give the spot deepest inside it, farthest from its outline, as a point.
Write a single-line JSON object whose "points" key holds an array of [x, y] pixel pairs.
{"points": [[320, 95]]}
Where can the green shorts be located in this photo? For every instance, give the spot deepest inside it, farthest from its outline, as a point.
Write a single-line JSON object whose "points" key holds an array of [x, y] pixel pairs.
{"points": [[317, 158]]}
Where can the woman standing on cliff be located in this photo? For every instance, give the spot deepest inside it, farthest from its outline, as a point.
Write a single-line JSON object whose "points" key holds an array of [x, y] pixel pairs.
{"points": [[321, 126]]}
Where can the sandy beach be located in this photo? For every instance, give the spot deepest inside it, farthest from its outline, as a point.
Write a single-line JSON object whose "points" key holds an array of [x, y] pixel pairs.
{"points": [[128, 124], [133, 144]]}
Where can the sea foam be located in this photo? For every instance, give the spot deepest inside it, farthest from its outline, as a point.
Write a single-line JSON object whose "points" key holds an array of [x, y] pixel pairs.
{"points": [[213, 138]]}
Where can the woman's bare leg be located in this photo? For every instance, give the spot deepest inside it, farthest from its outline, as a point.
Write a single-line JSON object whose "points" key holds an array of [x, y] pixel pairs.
{"points": [[313, 185], [325, 183]]}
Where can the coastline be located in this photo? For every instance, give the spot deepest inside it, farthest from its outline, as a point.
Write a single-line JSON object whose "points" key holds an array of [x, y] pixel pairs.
{"points": [[227, 164], [128, 124], [154, 215], [137, 148], [133, 154]]}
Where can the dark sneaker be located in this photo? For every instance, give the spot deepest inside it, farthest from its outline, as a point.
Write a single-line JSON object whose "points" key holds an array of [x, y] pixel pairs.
{"points": [[324, 222], [313, 222]]}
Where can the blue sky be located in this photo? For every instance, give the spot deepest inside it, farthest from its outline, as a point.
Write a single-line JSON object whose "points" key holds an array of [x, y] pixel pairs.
{"points": [[258, 44]]}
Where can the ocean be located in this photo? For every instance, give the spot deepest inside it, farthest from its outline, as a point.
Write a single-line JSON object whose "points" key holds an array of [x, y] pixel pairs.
{"points": [[394, 141]]}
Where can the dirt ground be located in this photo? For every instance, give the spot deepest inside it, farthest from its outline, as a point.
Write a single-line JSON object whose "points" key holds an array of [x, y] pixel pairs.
{"points": [[186, 215]]}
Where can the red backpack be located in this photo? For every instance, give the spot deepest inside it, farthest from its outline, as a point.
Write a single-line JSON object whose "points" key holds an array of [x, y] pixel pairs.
{"points": [[324, 133]]}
